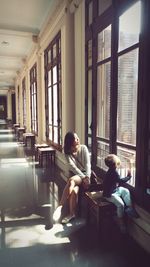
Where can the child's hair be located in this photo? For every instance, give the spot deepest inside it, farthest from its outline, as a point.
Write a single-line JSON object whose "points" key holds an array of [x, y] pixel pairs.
{"points": [[112, 161], [68, 142]]}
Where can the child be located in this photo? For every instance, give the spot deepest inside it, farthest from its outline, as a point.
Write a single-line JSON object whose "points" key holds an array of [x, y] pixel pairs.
{"points": [[115, 193]]}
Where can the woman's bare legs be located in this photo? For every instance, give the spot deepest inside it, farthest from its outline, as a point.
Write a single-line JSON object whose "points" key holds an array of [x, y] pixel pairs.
{"points": [[73, 200], [71, 184]]}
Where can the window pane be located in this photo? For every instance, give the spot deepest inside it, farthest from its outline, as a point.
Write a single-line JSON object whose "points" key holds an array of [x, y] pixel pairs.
{"points": [[127, 97], [50, 105], [55, 105], [49, 56], [102, 152], [103, 5], [54, 51], [128, 158], [55, 135], [59, 46], [55, 74], [49, 78], [50, 132], [59, 72], [104, 44], [103, 100], [129, 26], [89, 53], [90, 13], [89, 101], [90, 144], [35, 107]]}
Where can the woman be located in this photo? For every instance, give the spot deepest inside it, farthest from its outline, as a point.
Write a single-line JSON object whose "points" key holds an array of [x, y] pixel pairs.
{"points": [[78, 160]]}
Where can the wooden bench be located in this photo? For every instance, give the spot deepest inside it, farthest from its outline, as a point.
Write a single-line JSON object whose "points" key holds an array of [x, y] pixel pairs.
{"points": [[15, 127], [36, 147], [29, 137], [99, 210], [47, 153], [20, 132]]}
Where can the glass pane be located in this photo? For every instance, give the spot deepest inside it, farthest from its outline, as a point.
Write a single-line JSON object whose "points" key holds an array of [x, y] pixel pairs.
{"points": [[55, 105], [89, 101], [32, 88], [127, 97], [35, 127], [59, 72], [34, 72], [35, 106], [104, 44], [89, 53], [55, 134], [54, 51], [59, 46], [129, 26], [90, 17], [49, 56], [55, 74], [102, 152], [90, 144], [128, 159], [103, 5], [50, 132], [50, 105], [103, 100], [49, 78], [32, 106]]}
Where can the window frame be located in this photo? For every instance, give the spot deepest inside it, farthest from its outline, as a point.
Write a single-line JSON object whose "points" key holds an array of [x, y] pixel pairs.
{"points": [[111, 16], [49, 109], [24, 102], [33, 96]]}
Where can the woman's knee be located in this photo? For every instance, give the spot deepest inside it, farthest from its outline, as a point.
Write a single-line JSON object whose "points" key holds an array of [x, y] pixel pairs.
{"points": [[75, 180], [76, 190]]}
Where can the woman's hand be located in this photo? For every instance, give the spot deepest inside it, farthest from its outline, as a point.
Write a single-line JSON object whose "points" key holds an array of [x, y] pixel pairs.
{"points": [[86, 182]]}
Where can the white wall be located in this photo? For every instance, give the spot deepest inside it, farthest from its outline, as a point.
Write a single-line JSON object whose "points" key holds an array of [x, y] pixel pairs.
{"points": [[71, 26]]}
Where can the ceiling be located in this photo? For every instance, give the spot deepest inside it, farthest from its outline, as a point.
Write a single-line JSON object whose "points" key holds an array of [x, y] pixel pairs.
{"points": [[20, 23]]}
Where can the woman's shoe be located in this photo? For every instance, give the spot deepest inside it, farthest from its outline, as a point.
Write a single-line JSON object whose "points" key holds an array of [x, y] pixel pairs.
{"points": [[67, 219], [57, 213]]}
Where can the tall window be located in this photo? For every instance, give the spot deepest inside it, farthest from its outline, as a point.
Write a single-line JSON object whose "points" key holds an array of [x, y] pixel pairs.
{"points": [[18, 104], [128, 55], [24, 102], [33, 97], [116, 86], [103, 93], [53, 92]]}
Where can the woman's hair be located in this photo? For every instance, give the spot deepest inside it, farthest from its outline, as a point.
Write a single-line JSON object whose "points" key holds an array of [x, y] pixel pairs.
{"points": [[112, 161], [68, 142]]}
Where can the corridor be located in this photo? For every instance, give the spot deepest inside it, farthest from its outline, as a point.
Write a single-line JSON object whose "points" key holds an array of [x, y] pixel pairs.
{"points": [[28, 237]]}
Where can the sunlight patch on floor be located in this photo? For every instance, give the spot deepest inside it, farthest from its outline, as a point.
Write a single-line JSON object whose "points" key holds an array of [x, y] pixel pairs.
{"points": [[33, 235]]}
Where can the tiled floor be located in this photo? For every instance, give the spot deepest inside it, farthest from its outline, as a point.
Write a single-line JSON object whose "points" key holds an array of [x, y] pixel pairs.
{"points": [[28, 196]]}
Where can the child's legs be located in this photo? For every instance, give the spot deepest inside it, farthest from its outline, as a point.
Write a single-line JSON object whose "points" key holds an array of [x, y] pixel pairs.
{"points": [[125, 195], [118, 202]]}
